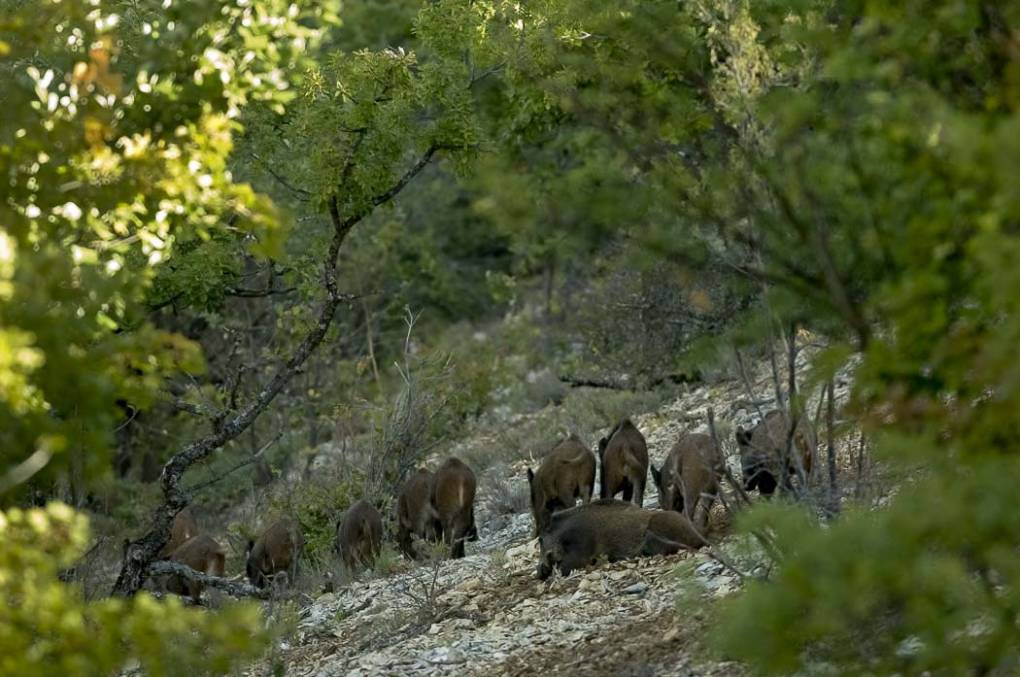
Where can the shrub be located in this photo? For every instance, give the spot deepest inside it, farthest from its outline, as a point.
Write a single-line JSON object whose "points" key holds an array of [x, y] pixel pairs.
{"points": [[47, 628], [504, 493], [919, 586], [317, 504]]}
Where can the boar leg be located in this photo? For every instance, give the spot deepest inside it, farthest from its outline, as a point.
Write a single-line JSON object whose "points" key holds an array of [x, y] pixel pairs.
{"points": [[639, 493], [657, 545], [707, 500], [586, 490], [195, 590]]}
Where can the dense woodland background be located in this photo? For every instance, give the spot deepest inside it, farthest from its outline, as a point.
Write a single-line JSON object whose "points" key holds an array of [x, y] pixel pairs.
{"points": [[233, 233]]}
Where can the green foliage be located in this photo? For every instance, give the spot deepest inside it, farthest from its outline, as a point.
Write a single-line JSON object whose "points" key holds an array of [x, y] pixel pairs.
{"points": [[317, 505], [891, 161], [46, 627], [119, 119], [923, 585], [855, 162]]}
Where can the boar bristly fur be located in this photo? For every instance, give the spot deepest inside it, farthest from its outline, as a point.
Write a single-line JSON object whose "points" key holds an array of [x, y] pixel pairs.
{"points": [[203, 554], [416, 519], [613, 529], [762, 449], [689, 479], [359, 535], [566, 474], [453, 500], [184, 528], [277, 550], [624, 457]]}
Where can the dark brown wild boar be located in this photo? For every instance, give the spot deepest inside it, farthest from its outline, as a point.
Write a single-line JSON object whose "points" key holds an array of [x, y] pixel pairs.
{"points": [[359, 535], [416, 518], [613, 529], [566, 474], [203, 554], [670, 532], [453, 499], [624, 457], [183, 528], [277, 549], [762, 449], [689, 478]]}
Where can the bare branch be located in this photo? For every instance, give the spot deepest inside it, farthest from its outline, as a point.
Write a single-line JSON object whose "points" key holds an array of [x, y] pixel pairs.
{"points": [[259, 293], [140, 553], [231, 587], [298, 193], [190, 408], [246, 462]]}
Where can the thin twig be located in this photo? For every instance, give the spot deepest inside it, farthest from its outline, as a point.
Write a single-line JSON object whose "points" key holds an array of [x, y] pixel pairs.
{"points": [[246, 462]]}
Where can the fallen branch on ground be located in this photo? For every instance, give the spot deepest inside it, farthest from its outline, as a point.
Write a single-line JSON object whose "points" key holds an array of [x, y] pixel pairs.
{"points": [[231, 587]]}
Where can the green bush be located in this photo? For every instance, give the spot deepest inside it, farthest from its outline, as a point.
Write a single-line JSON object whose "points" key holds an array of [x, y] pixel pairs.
{"points": [[925, 584], [47, 628], [317, 504]]}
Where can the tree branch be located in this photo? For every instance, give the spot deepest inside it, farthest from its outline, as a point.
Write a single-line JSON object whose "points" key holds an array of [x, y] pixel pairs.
{"points": [[246, 462], [258, 293], [232, 588], [140, 553], [634, 386]]}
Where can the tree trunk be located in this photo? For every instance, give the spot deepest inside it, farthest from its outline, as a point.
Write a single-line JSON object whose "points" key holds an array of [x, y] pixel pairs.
{"points": [[830, 447], [139, 554]]}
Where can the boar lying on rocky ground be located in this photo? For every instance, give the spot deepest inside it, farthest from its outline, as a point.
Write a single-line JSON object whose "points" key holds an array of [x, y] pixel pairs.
{"points": [[624, 459], [277, 550], [689, 478], [762, 449], [612, 529], [359, 535], [566, 474], [203, 554], [453, 503]]}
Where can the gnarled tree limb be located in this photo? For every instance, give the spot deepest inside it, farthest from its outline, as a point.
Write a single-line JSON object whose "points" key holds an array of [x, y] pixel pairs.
{"points": [[139, 554], [232, 588]]}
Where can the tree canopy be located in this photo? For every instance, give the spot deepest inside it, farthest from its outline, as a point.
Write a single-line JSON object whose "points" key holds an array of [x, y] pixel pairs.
{"points": [[210, 208]]}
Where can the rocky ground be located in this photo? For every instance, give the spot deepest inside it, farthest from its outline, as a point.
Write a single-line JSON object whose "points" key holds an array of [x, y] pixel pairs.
{"points": [[487, 614]]}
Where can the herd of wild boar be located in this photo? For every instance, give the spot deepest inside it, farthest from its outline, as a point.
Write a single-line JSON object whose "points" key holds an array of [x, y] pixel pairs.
{"points": [[438, 507]]}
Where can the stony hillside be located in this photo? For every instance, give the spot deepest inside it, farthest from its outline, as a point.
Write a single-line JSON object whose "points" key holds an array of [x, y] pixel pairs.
{"points": [[487, 614]]}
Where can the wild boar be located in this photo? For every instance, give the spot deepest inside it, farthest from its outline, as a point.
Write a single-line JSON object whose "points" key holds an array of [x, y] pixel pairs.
{"points": [[689, 478], [566, 474], [184, 527], [416, 519], [203, 554], [762, 449], [359, 535], [670, 532], [453, 500], [277, 549], [624, 459], [617, 530]]}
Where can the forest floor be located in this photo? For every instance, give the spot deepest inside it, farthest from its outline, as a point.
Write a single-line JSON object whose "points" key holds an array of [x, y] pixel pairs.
{"points": [[487, 614]]}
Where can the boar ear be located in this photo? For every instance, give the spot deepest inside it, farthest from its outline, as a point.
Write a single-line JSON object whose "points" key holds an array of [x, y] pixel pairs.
{"points": [[531, 475]]}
